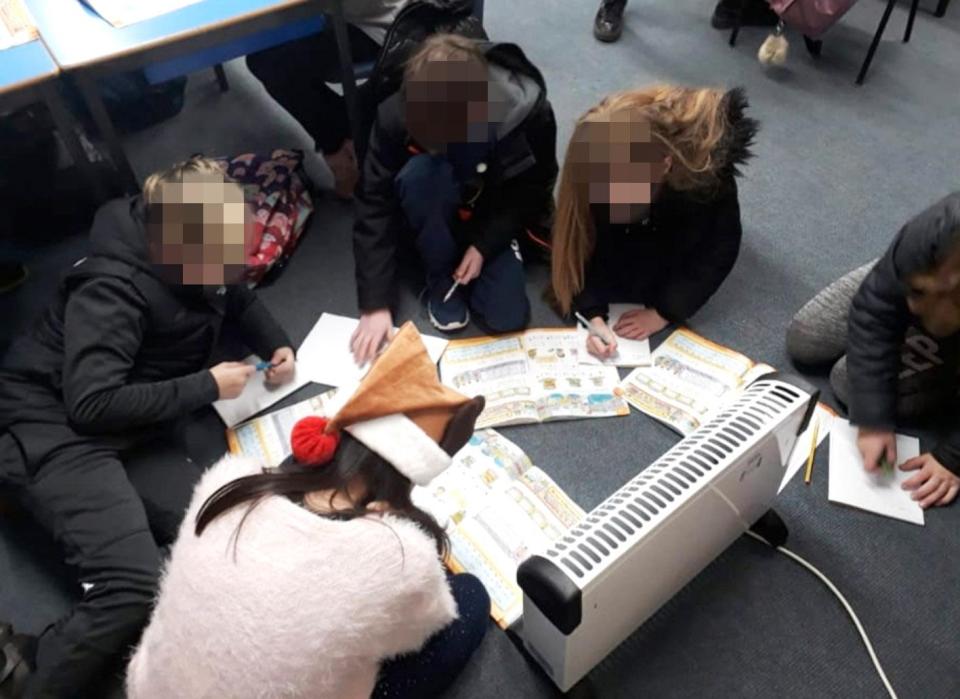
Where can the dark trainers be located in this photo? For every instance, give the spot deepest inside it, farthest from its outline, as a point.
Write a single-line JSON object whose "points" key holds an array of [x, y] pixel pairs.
{"points": [[448, 315], [608, 24], [756, 13]]}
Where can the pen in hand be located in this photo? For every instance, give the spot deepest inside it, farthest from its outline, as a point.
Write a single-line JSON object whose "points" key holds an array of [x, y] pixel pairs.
{"points": [[591, 329], [456, 283]]}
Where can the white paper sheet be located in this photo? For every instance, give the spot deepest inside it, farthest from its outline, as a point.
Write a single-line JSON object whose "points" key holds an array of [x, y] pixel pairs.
{"points": [[257, 395], [121, 13], [325, 355], [801, 449], [630, 353], [878, 492]]}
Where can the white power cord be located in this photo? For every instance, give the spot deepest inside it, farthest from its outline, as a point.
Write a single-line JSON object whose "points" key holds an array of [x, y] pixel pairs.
{"points": [[846, 605]]}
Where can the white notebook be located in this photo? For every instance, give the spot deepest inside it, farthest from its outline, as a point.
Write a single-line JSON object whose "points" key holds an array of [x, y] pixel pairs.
{"points": [[630, 353], [325, 355], [879, 492]]}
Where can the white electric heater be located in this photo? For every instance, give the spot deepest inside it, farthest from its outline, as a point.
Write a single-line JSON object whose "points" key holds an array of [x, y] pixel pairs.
{"points": [[632, 553]]}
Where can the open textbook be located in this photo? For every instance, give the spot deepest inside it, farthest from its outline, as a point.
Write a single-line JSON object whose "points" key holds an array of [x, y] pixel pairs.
{"points": [[267, 437], [16, 25], [497, 507], [534, 376], [498, 510], [689, 380]]}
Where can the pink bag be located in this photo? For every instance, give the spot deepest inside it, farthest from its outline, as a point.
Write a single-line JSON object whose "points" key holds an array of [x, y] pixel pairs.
{"points": [[811, 17], [276, 185]]}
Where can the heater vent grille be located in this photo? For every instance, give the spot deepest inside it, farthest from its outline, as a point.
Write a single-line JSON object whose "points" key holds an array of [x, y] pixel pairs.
{"points": [[643, 502]]}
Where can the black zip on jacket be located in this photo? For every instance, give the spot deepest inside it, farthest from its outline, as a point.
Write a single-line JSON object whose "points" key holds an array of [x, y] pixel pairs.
{"points": [[119, 348], [880, 317], [675, 260], [515, 191]]}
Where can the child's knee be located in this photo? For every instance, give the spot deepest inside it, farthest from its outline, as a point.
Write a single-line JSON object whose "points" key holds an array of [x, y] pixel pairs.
{"points": [[473, 604], [509, 315], [425, 178], [839, 381]]}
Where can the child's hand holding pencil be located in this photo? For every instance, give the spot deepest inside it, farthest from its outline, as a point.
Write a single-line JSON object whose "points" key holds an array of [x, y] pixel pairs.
{"points": [[602, 342]]}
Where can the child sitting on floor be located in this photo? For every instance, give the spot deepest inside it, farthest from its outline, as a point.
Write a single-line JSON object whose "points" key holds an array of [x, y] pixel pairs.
{"points": [[898, 321], [98, 398], [647, 208], [321, 578], [463, 158]]}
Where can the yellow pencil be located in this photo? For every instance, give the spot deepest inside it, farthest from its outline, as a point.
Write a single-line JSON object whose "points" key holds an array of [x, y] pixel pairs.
{"points": [[813, 451]]}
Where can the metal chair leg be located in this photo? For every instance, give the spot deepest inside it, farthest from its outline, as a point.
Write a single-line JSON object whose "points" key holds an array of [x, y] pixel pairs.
{"points": [[91, 96], [349, 77], [876, 41], [737, 23], [941, 8], [66, 126], [910, 18], [221, 77]]}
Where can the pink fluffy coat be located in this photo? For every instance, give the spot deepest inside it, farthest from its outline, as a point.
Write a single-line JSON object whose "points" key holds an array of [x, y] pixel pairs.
{"points": [[306, 607]]}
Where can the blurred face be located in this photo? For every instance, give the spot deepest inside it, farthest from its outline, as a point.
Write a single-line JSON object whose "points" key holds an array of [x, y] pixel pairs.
{"points": [[934, 297], [621, 167], [200, 232], [449, 102]]}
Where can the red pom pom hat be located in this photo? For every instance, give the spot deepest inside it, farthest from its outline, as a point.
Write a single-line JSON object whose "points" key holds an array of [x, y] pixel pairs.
{"points": [[399, 410]]}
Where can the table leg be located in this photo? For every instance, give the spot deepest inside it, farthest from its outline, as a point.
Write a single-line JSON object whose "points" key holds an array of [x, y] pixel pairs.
{"points": [[66, 126], [876, 42], [349, 78], [221, 77], [941, 8], [910, 18], [91, 96]]}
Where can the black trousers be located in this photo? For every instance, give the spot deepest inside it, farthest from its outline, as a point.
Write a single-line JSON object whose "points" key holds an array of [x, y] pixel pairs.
{"points": [[296, 75], [110, 504]]}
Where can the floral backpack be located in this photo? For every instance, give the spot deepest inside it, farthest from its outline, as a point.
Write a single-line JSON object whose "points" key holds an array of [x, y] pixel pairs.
{"points": [[278, 187]]}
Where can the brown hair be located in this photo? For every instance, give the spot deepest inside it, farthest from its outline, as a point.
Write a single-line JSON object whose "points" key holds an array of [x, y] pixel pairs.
{"points": [[440, 48], [688, 123], [197, 166]]}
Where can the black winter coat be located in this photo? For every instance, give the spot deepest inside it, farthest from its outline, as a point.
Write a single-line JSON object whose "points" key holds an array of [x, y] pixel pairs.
{"points": [[880, 317], [516, 190], [119, 348], [676, 260]]}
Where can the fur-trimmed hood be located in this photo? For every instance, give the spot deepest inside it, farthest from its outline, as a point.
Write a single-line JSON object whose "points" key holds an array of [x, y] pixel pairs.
{"points": [[735, 148]]}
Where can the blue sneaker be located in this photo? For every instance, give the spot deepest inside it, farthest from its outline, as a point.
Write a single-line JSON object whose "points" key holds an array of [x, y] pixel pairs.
{"points": [[450, 315]]}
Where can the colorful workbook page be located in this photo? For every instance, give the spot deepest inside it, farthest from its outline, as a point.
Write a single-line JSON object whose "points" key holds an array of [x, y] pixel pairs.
{"points": [[498, 510], [534, 376], [880, 491], [689, 380], [630, 353], [267, 438], [16, 24]]}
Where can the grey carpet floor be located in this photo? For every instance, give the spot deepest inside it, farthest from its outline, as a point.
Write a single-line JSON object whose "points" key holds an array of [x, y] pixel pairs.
{"points": [[838, 170]]}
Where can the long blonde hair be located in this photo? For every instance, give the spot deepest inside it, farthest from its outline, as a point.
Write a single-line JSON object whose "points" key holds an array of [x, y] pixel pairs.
{"points": [[688, 123]]}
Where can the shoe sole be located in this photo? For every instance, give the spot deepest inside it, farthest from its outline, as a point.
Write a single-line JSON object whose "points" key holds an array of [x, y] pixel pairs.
{"points": [[448, 327], [607, 38]]}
